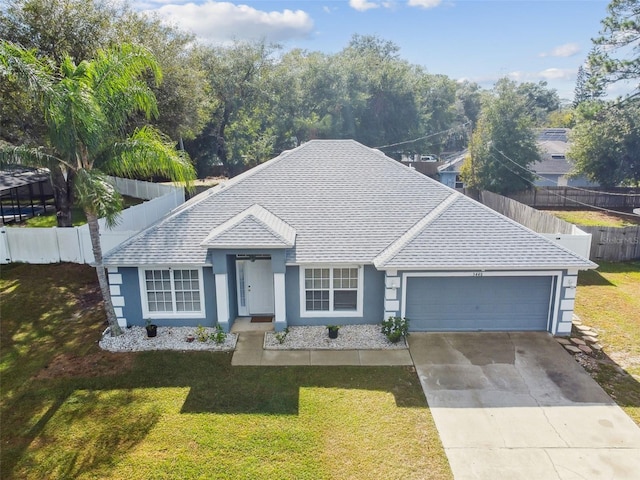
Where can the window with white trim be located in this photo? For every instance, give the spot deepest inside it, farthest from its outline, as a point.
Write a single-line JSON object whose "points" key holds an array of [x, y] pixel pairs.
{"points": [[331, 290], [172, 291]]}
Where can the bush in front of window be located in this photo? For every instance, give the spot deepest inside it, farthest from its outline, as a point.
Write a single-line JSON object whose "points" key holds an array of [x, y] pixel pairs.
{"points": [[394, 328]]}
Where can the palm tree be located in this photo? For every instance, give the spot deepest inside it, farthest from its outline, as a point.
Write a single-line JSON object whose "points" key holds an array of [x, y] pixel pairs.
{"points": [[86, 109]]}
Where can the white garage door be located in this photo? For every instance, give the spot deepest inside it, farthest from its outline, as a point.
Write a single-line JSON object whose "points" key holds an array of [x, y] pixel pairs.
{"points": [[478, 303]]}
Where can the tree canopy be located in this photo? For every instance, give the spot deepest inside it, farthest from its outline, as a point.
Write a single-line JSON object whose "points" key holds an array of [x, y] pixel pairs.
{"points": [[85, 108], [503, 144], [616, 54]]}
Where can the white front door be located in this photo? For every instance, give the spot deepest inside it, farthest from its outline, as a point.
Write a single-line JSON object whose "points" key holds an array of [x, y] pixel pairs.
{"points": [[259, 287]]}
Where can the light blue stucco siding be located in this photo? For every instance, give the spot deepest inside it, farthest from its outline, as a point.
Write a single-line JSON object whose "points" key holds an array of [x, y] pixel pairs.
{"points": [[373, 300], [448, 178], [132, 308]]}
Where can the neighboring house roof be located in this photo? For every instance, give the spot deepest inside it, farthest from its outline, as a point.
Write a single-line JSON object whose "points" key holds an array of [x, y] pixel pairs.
{"points": [[342, 202], [553, 143]]}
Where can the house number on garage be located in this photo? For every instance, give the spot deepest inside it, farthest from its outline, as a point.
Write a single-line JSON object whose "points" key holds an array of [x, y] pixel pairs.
{"points": [[476, 274]]}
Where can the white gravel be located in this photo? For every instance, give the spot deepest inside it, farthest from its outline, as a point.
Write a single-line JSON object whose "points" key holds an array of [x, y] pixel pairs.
{"points": [[135, 339], [350, 337]]}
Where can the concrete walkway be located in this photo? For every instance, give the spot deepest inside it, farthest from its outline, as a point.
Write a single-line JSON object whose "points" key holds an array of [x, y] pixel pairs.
{"points": [[249, 351], [517, 406]]}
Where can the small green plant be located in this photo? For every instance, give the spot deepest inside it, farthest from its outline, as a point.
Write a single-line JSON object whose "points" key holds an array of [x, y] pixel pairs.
{"points": [[201, 334], [394, 328], [280, 336], [333, 328], [218, 336]]}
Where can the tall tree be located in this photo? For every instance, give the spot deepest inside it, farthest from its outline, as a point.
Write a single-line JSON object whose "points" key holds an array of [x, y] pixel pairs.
{"points": [[541, 100], [77, 29], [616, 55], [236, 76], [503, 144], [85, 108], [606, 143]]}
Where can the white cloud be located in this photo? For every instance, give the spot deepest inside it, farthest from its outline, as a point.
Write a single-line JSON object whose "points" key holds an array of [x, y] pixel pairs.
{"points": [[558, 73], [424, 3], [362, 5], [565, 50], [222, 21]]}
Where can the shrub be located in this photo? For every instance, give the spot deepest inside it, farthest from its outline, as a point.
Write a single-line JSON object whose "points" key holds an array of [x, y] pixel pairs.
{"points": [[201, 334], [218, 336], [394, 328], [280, 336]]}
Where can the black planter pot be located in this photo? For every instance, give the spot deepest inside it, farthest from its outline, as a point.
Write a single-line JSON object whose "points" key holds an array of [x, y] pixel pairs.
{"points": [[333, 333], [152, 330]]}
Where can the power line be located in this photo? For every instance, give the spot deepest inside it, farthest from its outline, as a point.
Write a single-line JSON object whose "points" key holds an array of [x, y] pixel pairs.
{"points": [[553, 193], [567, 186], [426, 136]]}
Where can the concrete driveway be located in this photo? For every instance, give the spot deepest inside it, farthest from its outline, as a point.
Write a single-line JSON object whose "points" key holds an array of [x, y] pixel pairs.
{"points": [[517, 406]]}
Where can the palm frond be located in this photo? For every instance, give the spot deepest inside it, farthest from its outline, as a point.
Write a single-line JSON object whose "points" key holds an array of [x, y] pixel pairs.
{"points": [[117, 71], [95, 194], [29, 157], [148, 152], [26, 67]]}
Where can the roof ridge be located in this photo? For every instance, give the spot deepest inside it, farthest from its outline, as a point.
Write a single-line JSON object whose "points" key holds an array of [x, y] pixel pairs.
{"points": [[396, 246]]}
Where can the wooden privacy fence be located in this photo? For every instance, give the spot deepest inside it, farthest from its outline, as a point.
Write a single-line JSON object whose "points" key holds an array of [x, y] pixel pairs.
{"points": [[617, 244], [571, 197], [604, 243], [53, 245]]}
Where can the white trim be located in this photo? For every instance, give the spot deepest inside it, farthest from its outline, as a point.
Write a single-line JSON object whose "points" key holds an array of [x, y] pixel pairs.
{"points": [[567, 305], [222, 298], [175, 314], [117, 301], [242, 311], [118, 311], [551, 321], [115, 279], [331, 313], [114, 289], [279, 293]]}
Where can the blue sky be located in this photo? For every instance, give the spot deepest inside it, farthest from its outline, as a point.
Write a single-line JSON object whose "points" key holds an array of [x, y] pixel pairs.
{"points": [[478, 40]]}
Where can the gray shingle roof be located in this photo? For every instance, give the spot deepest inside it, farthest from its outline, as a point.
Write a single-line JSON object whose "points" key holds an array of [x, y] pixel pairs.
{"points": [[347, 204], [254, 227]]}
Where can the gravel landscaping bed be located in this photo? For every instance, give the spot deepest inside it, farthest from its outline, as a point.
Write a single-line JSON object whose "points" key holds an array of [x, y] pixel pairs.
{"points": [[350, 337], [135, 339]]}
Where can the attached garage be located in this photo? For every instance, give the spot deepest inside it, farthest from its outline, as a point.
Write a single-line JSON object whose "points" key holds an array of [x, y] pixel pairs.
{"points": [[472, 303]]}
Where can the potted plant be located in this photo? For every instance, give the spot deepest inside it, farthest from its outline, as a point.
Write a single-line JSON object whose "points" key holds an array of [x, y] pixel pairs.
{"points": [[333, 330], [152, 329]]}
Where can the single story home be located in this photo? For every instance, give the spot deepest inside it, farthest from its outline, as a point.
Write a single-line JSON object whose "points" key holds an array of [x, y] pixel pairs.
{"points": [[552, 169], [334, 232]]}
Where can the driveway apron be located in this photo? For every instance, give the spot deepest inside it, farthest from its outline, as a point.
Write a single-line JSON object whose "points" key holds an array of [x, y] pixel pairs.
{"points": [[517, 406]]}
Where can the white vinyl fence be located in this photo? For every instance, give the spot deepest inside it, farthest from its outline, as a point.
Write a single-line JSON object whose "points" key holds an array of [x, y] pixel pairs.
{"points": [[53, 245]]}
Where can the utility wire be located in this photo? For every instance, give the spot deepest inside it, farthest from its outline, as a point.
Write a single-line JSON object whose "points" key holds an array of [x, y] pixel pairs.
{"points": [[553, 193], [426, 136]]}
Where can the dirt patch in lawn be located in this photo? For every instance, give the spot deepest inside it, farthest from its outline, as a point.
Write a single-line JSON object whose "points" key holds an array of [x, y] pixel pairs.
{"points": [[100, 364]]}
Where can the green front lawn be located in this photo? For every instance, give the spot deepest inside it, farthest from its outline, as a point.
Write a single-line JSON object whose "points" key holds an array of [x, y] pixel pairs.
{"points": [[609, 300], [69, 410]]}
